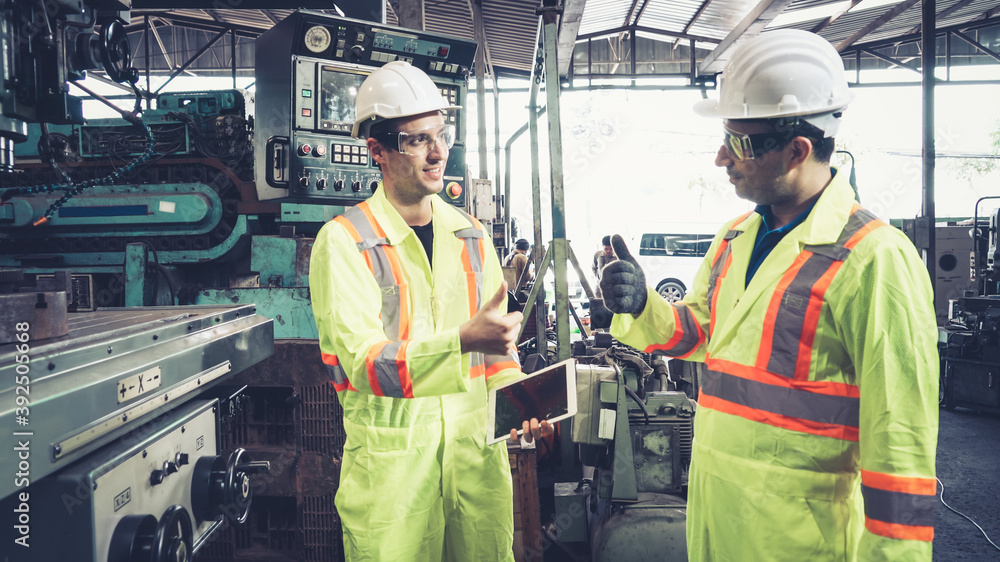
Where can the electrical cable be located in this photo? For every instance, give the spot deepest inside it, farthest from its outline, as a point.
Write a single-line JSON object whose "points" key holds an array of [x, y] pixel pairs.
{"points": [[635, 398], [941, 497], [162, 270], [74, 189]]}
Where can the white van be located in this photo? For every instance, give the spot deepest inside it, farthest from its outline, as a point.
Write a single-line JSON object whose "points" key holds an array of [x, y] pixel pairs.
{"points": [[670, 260]]}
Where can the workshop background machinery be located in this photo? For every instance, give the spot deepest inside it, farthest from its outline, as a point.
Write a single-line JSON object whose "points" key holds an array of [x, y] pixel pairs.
{"points": [[118, 412], [970, 342], [175, 207]]}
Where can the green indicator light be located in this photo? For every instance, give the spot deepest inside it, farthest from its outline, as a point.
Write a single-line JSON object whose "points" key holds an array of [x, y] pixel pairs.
{"points": [[307, 93]]}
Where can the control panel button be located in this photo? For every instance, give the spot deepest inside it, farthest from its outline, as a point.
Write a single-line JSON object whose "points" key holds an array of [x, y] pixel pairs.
{"points": [[305, 149], [453, 190], [321, 183], [304, 181], [306, 112], [338, 185], [156, 477], [320, 150], [356, 186]]}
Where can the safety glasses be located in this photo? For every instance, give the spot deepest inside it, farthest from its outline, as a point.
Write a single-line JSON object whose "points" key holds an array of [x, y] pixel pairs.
{"points": [[420, 142], [743, 147]]}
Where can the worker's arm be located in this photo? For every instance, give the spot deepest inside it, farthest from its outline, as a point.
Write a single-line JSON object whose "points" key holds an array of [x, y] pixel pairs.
{"points": [[677, 329], [889, 329]]}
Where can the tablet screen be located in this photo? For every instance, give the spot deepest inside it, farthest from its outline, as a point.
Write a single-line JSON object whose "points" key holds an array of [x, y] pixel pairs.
{"points": [[543, 395]]}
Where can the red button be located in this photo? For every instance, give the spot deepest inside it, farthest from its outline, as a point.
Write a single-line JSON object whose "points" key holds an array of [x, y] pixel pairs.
{"points": [[305, 148], [454, 190], [307, 112]]}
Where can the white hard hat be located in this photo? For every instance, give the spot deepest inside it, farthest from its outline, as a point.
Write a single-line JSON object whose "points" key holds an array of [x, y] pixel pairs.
{"points": [[396, 90], [783, 73]]}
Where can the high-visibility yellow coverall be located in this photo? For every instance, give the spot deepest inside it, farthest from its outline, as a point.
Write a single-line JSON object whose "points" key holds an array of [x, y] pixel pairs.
{"points": [[817, 422], [418, 481]]}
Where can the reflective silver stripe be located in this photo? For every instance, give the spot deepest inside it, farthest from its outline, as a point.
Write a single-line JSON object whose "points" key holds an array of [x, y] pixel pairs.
{"points": [[473, 232], [789, 324], [477, 359], [492, 360], [899, 507], [471, 237], [337, 374], [856, 222], [796, 403], [689, 324], [791, 316], [387, 371], [716, 272], [382, 270]]}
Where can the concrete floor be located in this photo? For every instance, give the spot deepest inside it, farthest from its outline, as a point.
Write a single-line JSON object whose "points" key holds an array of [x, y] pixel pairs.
{"points": [[968, 463]]}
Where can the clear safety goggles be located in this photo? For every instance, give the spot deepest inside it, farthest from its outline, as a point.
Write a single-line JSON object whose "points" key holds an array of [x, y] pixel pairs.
{"points": [[743, 146], [420, 142]]}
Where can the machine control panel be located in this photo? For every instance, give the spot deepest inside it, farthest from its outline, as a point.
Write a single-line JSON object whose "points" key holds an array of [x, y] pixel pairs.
{"points": [[306, 104]]}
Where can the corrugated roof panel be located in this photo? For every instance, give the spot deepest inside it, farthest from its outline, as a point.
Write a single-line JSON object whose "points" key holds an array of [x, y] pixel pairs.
{"points": [[669, 15], [511, 28], [600, 15], [721, 17]]}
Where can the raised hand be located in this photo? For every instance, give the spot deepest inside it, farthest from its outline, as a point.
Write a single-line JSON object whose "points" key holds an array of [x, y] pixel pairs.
{"points": [[622, 282], [489, 331]]}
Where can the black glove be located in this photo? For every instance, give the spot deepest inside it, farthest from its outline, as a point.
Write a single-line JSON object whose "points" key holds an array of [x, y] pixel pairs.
{"points": [[623, 284]]}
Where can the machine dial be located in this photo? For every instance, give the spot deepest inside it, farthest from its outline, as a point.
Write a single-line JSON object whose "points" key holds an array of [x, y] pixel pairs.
{"points": [[222, 487], [317, 38]]}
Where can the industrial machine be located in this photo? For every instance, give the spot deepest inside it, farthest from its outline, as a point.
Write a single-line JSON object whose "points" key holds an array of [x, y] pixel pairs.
{"points": [[116, 417], [970, 343], [634, 429], [309, 69]]}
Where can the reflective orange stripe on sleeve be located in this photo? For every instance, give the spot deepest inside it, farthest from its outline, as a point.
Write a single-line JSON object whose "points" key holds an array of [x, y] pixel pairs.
{"points": [[477, 365], [405, 382], [899, 507], [688, 334], [337, 376], [497, 363], [373, 353], [902, 484]]}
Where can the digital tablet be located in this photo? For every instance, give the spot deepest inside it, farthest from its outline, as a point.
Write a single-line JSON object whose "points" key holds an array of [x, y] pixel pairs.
{"points": [[548, 394]]}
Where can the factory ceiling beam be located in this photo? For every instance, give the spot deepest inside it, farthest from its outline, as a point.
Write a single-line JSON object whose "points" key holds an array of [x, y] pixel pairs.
{"points": [[977, 45], [951, 10], [890, 60], [877, 23], [190, 61], [833, 17], [989, 14], [163, 48], [270, 15], [170, 19], [214, 16], [694, 18], [640, 29], [750, 26], [569, 29]]}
